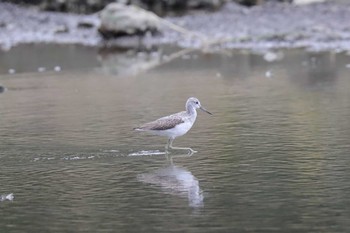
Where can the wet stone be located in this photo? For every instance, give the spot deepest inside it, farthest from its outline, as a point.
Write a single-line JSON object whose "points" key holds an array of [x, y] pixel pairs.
{"points": [[119, 19]]}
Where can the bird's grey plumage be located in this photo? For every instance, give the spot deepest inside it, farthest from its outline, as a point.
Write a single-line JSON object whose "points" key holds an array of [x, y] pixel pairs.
{"points": [[164, 123]]}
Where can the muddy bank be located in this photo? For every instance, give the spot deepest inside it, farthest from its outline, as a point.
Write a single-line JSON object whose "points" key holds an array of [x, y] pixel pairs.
{"points": [[318, 26]]}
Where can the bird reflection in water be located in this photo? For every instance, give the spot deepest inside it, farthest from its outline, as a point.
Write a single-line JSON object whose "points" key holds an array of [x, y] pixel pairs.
{"points": [[176, 181]]}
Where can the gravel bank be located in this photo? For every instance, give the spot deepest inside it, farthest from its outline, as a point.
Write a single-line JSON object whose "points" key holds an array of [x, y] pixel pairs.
{"points": [[20, 25], [321, 26]]}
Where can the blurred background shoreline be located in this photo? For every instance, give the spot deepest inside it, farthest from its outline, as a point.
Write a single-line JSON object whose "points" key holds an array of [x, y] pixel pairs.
{"points": [[268, 25]]}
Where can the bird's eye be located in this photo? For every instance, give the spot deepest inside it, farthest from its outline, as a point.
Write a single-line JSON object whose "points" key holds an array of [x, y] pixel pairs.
{"points": [[197, 102]]}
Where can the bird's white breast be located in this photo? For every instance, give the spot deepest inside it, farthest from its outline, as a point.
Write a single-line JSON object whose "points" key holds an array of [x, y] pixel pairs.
{"points": [[182, 128], [177, 131]]}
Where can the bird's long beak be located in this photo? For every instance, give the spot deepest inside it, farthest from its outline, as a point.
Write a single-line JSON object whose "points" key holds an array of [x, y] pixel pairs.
{"points": [[204, 110]]}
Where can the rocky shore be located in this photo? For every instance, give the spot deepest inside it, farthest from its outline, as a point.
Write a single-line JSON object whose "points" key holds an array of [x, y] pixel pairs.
{"points": [[319, 26], [20, 25]]}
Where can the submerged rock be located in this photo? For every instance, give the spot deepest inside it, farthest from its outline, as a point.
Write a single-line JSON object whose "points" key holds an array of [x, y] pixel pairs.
{"points": [[118, 20]]}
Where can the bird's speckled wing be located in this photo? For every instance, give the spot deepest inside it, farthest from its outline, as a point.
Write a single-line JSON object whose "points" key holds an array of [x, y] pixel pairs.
{"points": [[163, 123]]}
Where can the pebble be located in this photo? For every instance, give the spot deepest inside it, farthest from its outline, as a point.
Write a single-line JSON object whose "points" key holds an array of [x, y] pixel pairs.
{"points": [[57, 68], [41, 69], [268, 74]]}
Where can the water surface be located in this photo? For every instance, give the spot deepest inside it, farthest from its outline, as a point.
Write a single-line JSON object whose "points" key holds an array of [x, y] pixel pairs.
{"points": [[274, 157]]}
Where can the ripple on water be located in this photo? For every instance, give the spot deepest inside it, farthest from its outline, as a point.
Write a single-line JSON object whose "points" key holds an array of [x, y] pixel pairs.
{"points": [[98, 155], [7, 197], [147, 153]]}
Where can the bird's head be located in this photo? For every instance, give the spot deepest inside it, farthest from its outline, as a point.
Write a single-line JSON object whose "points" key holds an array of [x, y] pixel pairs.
{"points": [[194, 102]]}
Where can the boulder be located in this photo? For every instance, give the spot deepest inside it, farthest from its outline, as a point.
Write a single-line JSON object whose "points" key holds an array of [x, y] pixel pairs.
{"points": [[119, 20]]}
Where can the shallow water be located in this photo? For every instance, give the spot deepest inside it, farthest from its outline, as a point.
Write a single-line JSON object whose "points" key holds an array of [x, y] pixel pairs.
{"points": [[274, 157]]}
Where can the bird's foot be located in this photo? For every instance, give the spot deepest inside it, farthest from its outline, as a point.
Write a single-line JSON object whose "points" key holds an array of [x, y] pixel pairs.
{"points": [[170, 156], [190, 150]]}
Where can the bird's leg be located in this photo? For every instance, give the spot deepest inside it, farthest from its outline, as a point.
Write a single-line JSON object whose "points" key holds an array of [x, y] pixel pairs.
{"points": [[170, 145], [169, 158]]}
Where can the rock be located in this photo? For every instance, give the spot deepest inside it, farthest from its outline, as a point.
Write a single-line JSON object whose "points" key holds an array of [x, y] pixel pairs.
{"points": [[85, 24], [177, 6], [61, 29], [207, 4], [119, 20], [2, 89], [76, 6], [303, 2], [258, 2], [57, 68]]}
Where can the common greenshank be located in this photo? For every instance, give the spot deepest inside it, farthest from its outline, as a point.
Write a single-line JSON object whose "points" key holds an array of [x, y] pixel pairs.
{"points": [[175, 125]]}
